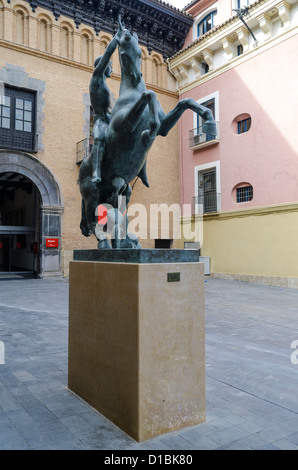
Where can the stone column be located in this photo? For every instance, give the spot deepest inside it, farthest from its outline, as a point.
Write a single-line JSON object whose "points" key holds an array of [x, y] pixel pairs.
{"points": [[33, 32], [55, 39]]}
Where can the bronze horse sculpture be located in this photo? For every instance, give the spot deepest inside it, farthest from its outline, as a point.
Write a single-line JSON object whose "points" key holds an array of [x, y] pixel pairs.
{"points": [[137, 118]]}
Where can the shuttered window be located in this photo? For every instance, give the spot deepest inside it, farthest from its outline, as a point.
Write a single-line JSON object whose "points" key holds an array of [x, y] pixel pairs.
{"points": [[17, 119]]}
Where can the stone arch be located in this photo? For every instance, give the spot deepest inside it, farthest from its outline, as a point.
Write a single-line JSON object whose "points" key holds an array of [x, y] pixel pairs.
{"points": [[66, 40], [156, 70], [21, 8], [37, 172], [145, 57], [44, 36], [51, 207], [21, 24], [104, 41], [87, 32], [87, 47]]}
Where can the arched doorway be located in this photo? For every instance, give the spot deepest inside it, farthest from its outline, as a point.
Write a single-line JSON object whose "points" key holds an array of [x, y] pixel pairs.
{"points": [[19, 225], [30, 216]]}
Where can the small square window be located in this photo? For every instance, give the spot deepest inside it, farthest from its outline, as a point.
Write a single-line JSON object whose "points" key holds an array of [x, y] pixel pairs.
{"points": [[28, 105], [19, 114], [244, 125], [5, 112], [27, 126], [19, 104], [5, 123], [27, 116], [244, 194], [6, 100], [19, 125]]}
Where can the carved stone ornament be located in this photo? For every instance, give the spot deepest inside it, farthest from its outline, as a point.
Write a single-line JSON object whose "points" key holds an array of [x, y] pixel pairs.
{"points": [[159, 26]]}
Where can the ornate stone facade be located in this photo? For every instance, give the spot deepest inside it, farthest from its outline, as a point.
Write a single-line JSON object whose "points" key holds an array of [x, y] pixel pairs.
{"points": [[159, 26]]}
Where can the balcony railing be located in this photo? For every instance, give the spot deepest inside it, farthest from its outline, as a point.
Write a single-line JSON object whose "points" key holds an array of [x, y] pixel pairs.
{"points": [[83, 150], [198, 138], [27, 142], [206, 203]]}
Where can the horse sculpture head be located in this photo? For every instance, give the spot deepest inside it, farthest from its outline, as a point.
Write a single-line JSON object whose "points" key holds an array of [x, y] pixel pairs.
{"points": [[130, 56]]}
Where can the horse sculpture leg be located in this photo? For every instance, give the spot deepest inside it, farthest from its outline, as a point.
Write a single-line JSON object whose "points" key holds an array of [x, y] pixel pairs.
{"points": [[83, 225], [170, 119], [128, 121]]}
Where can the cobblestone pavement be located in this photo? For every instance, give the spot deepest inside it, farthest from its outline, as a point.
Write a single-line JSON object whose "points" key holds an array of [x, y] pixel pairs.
{"points": [[251, 382]]}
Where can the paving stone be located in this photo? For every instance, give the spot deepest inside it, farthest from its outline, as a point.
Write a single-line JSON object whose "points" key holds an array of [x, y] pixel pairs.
{"points": [[249, 376], [285, 444]]}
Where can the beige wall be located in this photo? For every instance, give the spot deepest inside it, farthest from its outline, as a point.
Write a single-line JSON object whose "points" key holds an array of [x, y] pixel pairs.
{"points": [[67, 83], [257, 244]]}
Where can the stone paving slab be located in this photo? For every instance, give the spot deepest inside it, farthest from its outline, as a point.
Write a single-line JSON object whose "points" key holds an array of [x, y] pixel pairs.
{"points": [[251, 382]]}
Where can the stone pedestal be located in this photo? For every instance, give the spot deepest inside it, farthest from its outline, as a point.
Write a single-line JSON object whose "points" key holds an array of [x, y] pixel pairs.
{"points": [[137, 343]]}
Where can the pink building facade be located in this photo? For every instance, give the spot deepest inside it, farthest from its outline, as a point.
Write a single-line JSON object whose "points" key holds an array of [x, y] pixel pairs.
{"points": [[245, 180]]}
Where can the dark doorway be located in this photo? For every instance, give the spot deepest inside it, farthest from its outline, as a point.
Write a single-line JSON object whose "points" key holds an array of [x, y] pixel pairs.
{"points": [[19, 225]]}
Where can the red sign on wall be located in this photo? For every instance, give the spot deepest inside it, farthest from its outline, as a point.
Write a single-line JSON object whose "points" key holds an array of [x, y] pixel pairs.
{"points": [[52, 242], [1, 245]]}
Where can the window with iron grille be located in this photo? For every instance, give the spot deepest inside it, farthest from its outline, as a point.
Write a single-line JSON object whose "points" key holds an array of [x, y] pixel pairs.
{"points": [[244, 125], [17, 119], [207, 190], [244, 194]]}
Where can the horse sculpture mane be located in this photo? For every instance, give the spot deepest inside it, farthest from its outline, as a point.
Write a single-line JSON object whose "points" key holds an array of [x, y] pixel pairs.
{"points": [[136, 120]]}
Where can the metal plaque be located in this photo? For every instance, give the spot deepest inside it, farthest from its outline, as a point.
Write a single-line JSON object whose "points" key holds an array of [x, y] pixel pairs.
{"points": [[173, 277]]}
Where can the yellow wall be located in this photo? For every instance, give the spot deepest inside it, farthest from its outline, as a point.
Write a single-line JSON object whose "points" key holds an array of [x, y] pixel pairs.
{"points": [[258, 242], [67, 82]]}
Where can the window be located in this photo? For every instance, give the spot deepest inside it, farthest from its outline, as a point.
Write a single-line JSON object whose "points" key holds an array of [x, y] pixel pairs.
{"points": [[207, 23], [244, 194], [196, 135], [242, 3], [205, 67], [5, 112], [240, 49], [243, 125], [17, 119], [207, 190]]}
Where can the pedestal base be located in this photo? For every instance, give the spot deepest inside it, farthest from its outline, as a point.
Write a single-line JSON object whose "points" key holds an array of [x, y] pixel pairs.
{"points": [[137, 343]]}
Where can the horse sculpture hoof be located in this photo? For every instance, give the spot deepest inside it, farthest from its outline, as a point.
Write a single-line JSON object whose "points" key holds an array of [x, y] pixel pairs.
{"points": [[131, 242], [104, 244], [209, 127], [85, 231]]}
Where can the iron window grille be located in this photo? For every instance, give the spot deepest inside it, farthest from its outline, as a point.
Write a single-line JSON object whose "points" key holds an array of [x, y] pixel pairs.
{"points": [[206, 203], [244, 194], [84, 148]]}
